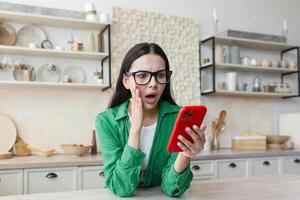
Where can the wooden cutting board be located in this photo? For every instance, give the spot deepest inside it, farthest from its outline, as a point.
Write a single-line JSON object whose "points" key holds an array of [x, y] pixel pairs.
{"points": [[8, 133], [289, 125]]}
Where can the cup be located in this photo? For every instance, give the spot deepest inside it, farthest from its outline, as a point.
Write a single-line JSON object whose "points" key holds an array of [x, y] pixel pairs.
{"points": [[242, 86], [231, 81], [245, 60], [253, 62]]}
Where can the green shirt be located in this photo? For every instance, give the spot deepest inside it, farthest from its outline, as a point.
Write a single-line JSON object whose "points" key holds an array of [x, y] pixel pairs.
{"points": [[123, 164]]}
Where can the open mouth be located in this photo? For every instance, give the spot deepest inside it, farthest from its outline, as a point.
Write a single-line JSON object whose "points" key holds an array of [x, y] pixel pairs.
{"points": [[150, 99]]}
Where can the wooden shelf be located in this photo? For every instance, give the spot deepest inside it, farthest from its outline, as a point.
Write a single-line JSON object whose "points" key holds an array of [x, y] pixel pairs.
{"points": [[49, 20], [36, 84], [52, 53], [254, 94], [253, 68], [256, 44]]}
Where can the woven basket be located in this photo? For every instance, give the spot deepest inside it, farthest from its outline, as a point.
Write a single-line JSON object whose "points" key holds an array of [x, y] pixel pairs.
{"points": [[249, 143]]}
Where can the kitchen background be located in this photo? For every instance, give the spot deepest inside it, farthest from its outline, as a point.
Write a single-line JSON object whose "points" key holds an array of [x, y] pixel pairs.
{"points": [[52, 116]]}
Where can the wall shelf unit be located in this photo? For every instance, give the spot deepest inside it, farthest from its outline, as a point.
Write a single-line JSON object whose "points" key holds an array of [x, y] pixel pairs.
{"points": [[54, 21], [283, 48]]}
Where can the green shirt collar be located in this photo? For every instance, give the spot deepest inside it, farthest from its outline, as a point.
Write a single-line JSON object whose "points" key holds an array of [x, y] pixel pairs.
{"points": [[165, 108]]}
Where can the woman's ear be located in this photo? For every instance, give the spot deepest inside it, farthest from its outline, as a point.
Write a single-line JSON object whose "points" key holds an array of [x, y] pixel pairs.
{"points": [[125, 81]]}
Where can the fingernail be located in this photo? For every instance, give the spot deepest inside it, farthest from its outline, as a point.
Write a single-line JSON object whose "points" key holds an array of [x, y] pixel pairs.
{"points": [[178, 143], [195, 127], [187, 129], [180, 137]]}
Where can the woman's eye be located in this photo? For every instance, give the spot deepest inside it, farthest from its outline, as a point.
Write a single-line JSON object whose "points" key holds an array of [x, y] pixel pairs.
{"points": [[142, 75], [161, 75]]}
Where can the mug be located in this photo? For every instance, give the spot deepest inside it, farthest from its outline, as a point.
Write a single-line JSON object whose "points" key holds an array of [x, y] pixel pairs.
{"points": [[245, 60], [253, 62]]}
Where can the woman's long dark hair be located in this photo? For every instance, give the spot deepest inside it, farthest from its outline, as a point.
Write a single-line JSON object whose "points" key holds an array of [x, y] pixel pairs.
{"points": [[121, 93]]}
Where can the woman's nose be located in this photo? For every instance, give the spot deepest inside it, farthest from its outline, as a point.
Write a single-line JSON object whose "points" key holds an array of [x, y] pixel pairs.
{"points": [[153, 82]]}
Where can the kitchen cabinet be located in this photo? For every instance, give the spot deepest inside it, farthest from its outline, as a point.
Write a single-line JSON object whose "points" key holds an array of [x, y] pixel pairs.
{"points": [[50, 180], [212, 70], [292, 165], [91, 177], [203, 170], [11, 182], [265, 166], [232, 169]]}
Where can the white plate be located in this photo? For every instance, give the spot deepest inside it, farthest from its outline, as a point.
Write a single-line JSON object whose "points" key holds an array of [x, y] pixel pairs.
{"points": [[48, 73], [31, 34], [75, 73], [8, 133]]}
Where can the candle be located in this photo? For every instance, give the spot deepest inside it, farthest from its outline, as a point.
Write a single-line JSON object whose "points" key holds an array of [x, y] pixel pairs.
{"points": [[215, 14], [284, 25]]}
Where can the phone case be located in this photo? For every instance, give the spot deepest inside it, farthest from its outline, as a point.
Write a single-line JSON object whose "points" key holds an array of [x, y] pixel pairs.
{"points": [[187, 117]]}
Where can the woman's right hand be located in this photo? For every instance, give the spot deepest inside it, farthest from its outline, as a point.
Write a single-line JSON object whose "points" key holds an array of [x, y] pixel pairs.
{"points": [[136, 114]]}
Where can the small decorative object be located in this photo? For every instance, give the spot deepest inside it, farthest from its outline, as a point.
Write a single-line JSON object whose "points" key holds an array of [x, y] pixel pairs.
{"points": [[206, 60], [284, 30], [256, 85], [48, 73], [90, 11], [215, 20], [6, 62], [60, 48], [33, 45], [98, 77], [78, 46], [265, 63], [31, 34], [245, 60], [292, 64], [254, 62], [71, 42], [67, 79], [75, 74], [221, 85], [47, 44], [104, 17], [92, 47]]}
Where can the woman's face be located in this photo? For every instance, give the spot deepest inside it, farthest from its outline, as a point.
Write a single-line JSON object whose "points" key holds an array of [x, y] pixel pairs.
{"points": [[151, 92]]}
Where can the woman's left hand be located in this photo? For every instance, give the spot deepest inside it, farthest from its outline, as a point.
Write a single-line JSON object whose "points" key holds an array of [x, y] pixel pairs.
{"points": [[192, 149]]}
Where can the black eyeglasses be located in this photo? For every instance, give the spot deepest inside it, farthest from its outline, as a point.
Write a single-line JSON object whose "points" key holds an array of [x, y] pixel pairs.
{"points": [[144, 77]]}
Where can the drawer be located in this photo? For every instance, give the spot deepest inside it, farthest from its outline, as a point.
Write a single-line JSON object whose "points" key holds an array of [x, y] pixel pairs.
{"points": [[91, 177], [200, 168], [232, 169], [292, 165], [50, 180], [11, 182], [266, 166]]}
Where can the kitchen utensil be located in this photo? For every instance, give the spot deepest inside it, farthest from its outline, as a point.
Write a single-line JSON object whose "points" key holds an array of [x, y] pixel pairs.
{"points": [[221, 120], [8, 133], [8, 34], [31, 34], [48, 73], [245, 60], [220, 53], [256, 85], [5, 155], [254, 62], [231, 81], [235, 54], [75, 74], [76, 149], [215, 141], [21, 148], [42, 152], [289, 126]]}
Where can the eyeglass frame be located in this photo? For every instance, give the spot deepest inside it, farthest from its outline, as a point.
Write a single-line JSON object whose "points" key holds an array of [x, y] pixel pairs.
{"points": [[168, 73]]}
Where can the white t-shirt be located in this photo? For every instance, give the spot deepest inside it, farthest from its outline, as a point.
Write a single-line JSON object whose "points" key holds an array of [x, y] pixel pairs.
{"points": [[146, 141]]}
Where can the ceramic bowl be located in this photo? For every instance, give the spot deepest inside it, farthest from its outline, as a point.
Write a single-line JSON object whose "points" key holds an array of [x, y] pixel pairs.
{"points": [[277, 139], [76, 149]]}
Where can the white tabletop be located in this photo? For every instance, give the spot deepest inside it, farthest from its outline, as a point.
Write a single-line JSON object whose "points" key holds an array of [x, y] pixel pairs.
{"points": [[251, 188]]}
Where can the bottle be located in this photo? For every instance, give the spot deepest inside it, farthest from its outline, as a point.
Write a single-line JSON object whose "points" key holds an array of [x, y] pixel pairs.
{"points": [[94, 143]]}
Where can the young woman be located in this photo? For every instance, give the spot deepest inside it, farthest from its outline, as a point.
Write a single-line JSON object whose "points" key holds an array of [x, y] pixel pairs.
{"points": [[134, 132]]}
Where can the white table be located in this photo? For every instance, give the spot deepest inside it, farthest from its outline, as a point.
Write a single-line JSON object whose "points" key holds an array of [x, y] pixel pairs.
{"points": [[252, 188]]}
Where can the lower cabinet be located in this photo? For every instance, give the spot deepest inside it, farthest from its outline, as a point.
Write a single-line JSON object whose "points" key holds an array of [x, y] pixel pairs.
{"points": [[292, 165], [203, 170], [90, 178], [11, 182], [232, 169], [265, 166], [50, 180]]}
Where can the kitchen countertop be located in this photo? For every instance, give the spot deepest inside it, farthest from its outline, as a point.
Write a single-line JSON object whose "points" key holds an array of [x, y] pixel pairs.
{"points": [[64, 160], [259, 187]]}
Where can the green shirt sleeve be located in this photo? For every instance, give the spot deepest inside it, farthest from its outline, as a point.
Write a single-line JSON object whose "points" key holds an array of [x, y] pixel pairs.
{"points": [[175, 184], [122, 165]]}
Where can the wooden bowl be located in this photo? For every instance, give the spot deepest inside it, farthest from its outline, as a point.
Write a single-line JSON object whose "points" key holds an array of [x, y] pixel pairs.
{"points": [[277, 139], [76, 149]]}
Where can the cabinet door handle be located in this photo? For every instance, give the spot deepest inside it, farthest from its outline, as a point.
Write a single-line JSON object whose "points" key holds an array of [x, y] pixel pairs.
{"points": [[297, 161], [101, 173], [196, 167], [232, 165], [266, 163], [51, 175]]}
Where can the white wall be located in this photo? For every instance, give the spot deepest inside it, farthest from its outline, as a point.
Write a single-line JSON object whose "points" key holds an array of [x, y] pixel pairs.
{"points": [[251, 15]]}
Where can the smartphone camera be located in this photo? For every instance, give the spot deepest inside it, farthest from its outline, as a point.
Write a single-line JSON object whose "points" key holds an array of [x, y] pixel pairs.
{"points": [[187, 115]]}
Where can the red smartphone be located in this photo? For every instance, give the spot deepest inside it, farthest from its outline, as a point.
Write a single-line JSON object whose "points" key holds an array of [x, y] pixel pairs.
{"points": [[187, 117]]}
